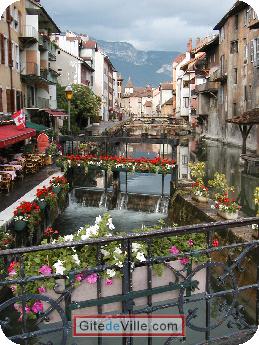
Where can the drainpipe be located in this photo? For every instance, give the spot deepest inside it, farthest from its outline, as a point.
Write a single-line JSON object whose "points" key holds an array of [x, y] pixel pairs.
{"points": [[9, 20]]}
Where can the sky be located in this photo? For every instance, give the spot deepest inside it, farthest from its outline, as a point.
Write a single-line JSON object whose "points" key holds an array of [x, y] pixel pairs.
{"points": [[147, 24]]}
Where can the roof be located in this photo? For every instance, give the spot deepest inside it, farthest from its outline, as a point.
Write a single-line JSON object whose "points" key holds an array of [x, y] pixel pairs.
{"points": [[250, 117], [10, 135], [254, 25], [37, 127], [148, 104], [46, 18], [190, 65], [207, 44], [237, 7], [89, 44], [166, 86], [169, 102], [179, 58], [56, 112]]}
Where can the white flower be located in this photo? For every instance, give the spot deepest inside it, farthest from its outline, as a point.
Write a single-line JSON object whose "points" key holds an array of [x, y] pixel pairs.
{"points": [[98, 220], [60, 269], [105, 252], [212, 207], [84, 237], [69, 238], [255, 226], [110, 225], [120, 264], [136, 247], [111, 273], [117, 251], [76, 259], [140, 257]]}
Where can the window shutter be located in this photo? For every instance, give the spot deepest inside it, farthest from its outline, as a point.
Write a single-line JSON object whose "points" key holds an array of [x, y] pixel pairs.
{"points": [[12, 101], [8, 15], [2, 49], [10, 59], [8, 100]]}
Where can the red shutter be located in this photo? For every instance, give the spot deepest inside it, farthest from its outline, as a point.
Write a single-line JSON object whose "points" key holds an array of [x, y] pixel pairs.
{"points": [[2, 49], [1, 101], [10, 59]]}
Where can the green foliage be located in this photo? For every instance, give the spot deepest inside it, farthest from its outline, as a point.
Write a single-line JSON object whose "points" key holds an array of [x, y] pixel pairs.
{"points": [[84, 104]]}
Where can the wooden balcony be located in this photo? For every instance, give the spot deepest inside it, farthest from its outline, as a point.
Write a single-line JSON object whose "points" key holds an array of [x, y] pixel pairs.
{"points": [[208, 87]]}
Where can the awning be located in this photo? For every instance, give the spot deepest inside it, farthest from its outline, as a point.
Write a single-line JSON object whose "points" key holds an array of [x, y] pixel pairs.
{"points": [[10, 135], [37, 127], [56, 113]]}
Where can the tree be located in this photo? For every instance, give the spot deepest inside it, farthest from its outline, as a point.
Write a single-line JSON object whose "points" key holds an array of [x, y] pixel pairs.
{"points": [[85, 104]]}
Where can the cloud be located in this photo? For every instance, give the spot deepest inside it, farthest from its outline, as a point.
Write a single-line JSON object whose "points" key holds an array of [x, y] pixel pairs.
{"points": [[148, 24]]}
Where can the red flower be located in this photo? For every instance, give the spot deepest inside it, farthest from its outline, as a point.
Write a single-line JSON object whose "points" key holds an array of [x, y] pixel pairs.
{"points": [[215, 243]]}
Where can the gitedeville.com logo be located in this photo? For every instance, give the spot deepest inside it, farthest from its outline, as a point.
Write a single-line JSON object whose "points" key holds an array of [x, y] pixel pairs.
{"points": [[129, 326]]}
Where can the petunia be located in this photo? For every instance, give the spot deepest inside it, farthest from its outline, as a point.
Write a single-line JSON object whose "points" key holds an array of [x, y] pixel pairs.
{"points": [[41, 289], [37, 307], [76, 259], [111, 273], [184, 261], [108, 282], [60, 269]]}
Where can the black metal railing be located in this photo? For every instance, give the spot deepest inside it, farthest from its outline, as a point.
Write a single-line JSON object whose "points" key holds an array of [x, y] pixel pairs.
{"points": [[220, 301]]}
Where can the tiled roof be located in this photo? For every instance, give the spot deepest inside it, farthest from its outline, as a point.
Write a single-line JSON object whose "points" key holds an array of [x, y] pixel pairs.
{"points": [[179, 58], [169, 102], [166, 86], [89, 44], [237, 7], [206, 43], [250, 117], [148, 104], [191, 63]]}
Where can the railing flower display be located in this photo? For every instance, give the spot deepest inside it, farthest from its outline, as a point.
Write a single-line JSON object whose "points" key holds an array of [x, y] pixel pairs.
{"points": [[226, 206], [27, 214], [114, 163]]}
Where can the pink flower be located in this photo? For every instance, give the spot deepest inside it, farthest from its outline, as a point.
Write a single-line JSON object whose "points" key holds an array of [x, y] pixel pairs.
{"points": [[27, 309], [174, 250], [37, 307], [42, 289], [191, 243], [17, 307], [45, 270], [12, 273], [108, 282], [184, 261], [92, 279], [79, 278]]}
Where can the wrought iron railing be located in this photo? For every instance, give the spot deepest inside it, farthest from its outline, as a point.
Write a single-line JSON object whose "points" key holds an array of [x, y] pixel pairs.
{"points": [[220, 301]]}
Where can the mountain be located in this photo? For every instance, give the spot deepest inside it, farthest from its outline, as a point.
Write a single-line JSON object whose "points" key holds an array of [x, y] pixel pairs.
{"points": [[144, 67]]}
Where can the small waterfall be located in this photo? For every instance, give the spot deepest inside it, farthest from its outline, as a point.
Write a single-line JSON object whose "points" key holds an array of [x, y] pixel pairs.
{"points": [[122, 203], [162, 205], [103, 200]]}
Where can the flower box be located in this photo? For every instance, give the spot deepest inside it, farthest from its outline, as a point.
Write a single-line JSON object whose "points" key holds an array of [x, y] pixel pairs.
{"points": [[202, 199], [20, 225], [227, 215], [87, 291]]}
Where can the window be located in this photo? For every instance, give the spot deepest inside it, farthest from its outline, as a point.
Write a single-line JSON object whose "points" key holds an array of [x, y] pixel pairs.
{"points": [[186, 83], [221, 34], [245, 51], [185, 160], [186, 101], [18, 100], [236, 22], [221, 95], [252, 51], [245, 18], [17, 58], [233, 47], [245, 93], [222, 64], [257, 51], [234, 110], [235, 77]]}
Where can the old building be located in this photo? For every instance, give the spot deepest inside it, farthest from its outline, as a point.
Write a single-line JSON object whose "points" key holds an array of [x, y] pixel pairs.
{"points": [[12, 27]]}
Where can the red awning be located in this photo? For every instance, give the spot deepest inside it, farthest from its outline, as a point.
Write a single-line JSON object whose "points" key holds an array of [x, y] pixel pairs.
{"points": [[10, 135], [55, 112]]}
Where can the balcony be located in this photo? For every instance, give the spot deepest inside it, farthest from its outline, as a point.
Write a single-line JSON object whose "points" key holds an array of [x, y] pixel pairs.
{"points": [[38, 103], [219, 76], [28, 35], [46, 44], [29, 69], [49, 75], [208, 87]]}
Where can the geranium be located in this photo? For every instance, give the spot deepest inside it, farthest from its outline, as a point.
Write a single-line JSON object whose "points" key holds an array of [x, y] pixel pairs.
{"points": [[37, 307], [45, 270], [92, 278], [49, 232], [174, 250], [215, 243]]}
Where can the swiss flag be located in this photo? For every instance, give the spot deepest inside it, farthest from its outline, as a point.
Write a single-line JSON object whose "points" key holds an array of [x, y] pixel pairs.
{"points": [[19, 119]]}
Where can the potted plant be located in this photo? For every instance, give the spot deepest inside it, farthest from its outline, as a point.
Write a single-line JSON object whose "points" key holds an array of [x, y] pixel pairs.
{"points": [[226, 206], [200, 192], [51, 152], [27, 214]]}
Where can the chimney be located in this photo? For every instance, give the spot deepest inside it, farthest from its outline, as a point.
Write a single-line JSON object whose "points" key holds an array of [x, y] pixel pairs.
{"points": [[189, 45], [198, 41]]}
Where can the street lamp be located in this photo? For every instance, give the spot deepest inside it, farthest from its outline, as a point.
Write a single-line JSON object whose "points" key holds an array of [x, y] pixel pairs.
{"points": [[69, 97]]}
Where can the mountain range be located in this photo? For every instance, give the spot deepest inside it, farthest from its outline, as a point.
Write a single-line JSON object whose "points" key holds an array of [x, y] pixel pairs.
{"points": [[143, 67]]}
